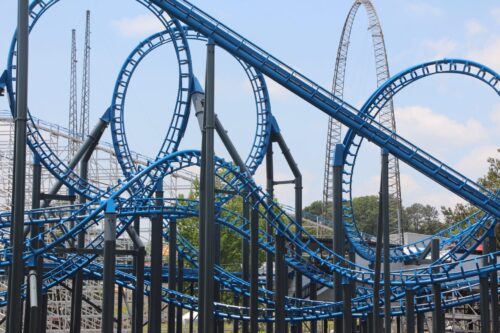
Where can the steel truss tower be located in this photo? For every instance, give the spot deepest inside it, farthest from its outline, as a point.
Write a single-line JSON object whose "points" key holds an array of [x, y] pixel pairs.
{"points": [[386, 115], [73, 103], [85, 107]]}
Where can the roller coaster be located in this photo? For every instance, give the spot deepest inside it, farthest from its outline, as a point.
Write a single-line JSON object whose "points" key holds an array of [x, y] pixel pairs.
{"points": [[49, 245]]}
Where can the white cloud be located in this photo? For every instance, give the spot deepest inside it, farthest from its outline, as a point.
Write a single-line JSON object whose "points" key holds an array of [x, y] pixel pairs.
{"points": [[310, 180], [438, 199], [366, 185], [436, 130], [276, 91], [441, 48], [473, 28], [489, 55], [475, 164], [495, 115], [495, 12], [137, 26], [423, 8], [409, 183]]}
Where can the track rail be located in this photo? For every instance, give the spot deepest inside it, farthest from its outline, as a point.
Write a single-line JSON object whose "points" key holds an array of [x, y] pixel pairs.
{"points": [[305, 253], [333, 106]]}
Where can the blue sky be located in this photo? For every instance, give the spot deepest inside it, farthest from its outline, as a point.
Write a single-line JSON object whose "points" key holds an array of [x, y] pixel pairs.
{"points": [[455, 118]]}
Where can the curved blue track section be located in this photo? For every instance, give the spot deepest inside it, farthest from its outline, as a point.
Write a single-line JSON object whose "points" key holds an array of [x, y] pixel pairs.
{"points": [[455, 270]]}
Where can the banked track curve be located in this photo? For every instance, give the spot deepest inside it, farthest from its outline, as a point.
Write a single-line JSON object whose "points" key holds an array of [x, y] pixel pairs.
{"points": [[227, 173], [365, 125]]}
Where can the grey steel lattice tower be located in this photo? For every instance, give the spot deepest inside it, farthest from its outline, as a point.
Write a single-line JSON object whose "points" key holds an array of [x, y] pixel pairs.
{"points": [[73, 103], [386, 115], [85, 107]]}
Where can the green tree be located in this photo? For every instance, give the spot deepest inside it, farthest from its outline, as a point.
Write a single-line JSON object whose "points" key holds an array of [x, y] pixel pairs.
{"points": [[188, 227], [457, 213], [366, 213], [423, 219], [231, 241], [315, 208], [492, 178], [491, 181]]}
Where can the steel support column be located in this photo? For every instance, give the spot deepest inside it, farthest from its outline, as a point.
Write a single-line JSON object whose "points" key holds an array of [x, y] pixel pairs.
{"points": [[180, 288], [139, 295], [352, 258], [246, 263], [484, 296], [35, 316], [364, 326], [155, 307], [298, 220], [207, 197], [138, 306], [16, 270], [347, 317], [135, 226], [269, 229], [254, 266], [108, 299], [484, 303], [377, 322], [281, 284], [420, 318], [172, 268], [338, 239], [410, 311], [278, 138], [236, 302], [191, 317], [119, 315], [202, 224], [77, 290], [438, 315], [218, 323], [385, 221], [83, 156], [495, 312], [226, 140], [313, 295], [370, 322], [43, 314]]}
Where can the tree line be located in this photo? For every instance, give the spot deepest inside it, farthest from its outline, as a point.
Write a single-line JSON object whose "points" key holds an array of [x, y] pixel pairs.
{"points": [[418, 217]]}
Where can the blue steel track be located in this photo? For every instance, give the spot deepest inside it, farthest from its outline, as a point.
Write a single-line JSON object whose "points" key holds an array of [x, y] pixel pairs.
{"points": [[132, 197]]}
